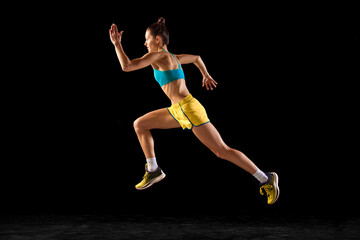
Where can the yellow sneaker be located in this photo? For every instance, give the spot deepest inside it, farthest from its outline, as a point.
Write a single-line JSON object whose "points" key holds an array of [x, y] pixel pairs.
{"points": [[271, 188], [150, 178]]}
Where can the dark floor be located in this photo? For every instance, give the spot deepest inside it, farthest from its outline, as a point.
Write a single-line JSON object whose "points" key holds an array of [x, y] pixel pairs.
{"points": [[99, 227]]}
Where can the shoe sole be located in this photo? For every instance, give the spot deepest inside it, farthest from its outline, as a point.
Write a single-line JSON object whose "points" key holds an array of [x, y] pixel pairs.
{"points": [[153, 181], [276, 183]]}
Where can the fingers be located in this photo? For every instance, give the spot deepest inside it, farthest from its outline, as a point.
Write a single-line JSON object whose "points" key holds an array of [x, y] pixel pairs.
{"points": [[115, 35], [114, 29], [210, 84], [205, 83], [111, 31], [214, 83]]}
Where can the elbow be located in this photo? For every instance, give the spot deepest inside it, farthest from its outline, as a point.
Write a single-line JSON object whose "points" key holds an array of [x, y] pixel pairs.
{"points": [[197, 58], [125, 68]]}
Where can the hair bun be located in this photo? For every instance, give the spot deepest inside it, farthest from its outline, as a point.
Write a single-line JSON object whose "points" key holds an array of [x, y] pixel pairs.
{"points": [[161, 21]]}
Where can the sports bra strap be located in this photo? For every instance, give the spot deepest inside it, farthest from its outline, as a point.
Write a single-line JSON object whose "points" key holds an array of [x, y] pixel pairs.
{"points": [[174, 57]]}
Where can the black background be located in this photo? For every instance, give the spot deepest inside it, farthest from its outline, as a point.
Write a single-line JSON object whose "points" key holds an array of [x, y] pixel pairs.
{"points": [[286, 98]]}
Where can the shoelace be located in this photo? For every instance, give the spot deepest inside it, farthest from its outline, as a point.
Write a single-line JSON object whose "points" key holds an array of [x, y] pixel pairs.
{"points": [[267, 189], [146, 175]]}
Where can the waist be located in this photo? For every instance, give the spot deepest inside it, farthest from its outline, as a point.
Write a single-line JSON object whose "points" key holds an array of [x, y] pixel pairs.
{"points": [[185, 100]]}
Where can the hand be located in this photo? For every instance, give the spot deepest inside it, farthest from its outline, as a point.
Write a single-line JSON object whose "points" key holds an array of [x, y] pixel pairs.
{"points": [[115, 35], [209, 82]]}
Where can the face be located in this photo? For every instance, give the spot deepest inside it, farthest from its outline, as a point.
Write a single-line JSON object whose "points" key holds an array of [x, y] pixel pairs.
{"points": [[151, 42]]}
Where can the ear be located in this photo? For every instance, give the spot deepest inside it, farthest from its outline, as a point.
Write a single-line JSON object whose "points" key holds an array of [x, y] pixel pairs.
{"points": [[158, 39]]}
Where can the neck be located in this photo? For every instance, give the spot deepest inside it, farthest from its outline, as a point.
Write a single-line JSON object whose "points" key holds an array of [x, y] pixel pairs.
{"points": [[163, 47]]}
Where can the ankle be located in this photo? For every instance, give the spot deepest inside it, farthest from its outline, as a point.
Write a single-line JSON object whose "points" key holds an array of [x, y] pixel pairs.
{"points": [[261, 176], [152, 164]]}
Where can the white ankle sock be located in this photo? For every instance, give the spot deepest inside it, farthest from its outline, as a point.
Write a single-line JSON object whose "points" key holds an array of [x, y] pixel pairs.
{"points": [[260, 176], [152, 165]]}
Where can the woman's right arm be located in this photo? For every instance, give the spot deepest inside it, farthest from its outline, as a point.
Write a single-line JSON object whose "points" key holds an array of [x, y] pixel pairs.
{"points": [[128, 65], [115, 37]]}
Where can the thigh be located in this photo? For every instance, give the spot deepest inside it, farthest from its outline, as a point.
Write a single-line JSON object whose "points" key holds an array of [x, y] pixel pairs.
{"points": [[209, 136], [158, 119]]}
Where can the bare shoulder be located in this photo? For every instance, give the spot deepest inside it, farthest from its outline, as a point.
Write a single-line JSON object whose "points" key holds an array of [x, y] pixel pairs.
{"points": [[162, 59], [154, 55]]}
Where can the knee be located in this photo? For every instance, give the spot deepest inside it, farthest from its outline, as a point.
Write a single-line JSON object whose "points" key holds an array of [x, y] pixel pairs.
{"points": [[139, 125]]}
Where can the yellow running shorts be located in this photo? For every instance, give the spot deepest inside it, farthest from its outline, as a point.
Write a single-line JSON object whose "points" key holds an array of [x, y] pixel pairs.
{"points": [[189, 112]]}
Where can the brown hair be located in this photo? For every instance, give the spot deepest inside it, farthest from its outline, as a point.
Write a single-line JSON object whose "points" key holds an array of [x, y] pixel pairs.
{"points": [[158, 29]]}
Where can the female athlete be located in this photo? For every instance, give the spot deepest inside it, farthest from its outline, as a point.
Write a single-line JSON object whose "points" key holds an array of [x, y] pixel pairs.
{"points": [[185, 111]]}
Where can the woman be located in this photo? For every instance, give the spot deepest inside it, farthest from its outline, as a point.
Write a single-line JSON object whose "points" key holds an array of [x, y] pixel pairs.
{"points": [[185, 111]]}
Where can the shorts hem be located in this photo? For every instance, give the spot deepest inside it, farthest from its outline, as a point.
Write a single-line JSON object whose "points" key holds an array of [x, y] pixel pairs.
{"points": [[181, 125], [192, 125], [172, 115], [201, 124]]}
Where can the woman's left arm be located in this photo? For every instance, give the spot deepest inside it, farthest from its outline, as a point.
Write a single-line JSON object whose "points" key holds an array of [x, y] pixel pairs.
{"points": [[128, 65], [208, 81]]}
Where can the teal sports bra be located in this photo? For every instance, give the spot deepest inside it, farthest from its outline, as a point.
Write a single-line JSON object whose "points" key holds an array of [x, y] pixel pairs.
{"points": [[165, 77]]}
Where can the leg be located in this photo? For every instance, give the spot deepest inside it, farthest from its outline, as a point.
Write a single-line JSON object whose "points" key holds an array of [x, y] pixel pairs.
{"points": [[158, 119], [211, 138]]}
